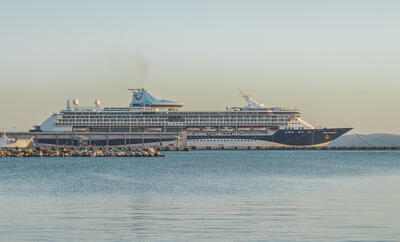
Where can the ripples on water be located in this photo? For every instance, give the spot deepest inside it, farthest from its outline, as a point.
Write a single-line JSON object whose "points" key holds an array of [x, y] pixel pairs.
{"points": [[203, 195]]}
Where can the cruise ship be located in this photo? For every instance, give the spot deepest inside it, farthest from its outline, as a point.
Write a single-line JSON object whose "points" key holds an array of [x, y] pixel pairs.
{"points": [[148, 118]]}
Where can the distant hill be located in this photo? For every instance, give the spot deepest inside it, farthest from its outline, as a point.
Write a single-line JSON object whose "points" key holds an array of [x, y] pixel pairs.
{"points": [[366, 140]]}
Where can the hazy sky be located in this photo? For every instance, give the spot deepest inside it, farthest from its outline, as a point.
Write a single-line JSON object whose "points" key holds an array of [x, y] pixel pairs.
{"points": [[336, 61]]}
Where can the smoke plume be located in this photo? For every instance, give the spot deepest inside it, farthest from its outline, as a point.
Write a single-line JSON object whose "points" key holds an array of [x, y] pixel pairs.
{"points": [[142, 68]]}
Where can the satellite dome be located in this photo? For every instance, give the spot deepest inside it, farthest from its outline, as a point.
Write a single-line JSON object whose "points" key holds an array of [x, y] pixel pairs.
{"points": [[75, 102], [97, 102]]}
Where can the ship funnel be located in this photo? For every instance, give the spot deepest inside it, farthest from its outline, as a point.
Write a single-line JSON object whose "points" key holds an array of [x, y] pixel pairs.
{"points": [[142, 98]]}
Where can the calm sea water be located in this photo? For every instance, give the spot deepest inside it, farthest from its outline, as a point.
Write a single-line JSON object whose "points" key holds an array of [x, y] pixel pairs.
{"points": [[203, 195]]}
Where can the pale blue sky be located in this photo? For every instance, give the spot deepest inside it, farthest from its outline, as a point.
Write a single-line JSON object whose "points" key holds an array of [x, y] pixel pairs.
{"points": [[336, 61]]}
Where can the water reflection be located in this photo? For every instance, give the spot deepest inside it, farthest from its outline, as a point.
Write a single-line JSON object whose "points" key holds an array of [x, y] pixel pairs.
{"points": [[203, 196]]}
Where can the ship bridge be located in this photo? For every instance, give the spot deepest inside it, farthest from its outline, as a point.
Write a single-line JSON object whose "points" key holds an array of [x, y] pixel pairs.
{"points": [[142, 98]]}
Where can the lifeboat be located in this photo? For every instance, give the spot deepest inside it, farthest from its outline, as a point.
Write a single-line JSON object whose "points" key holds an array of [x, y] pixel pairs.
{"points": [[154, 129], [79, 129], [227, 129], [193, 128], [260, 128], [209, 129], [244, 128]]}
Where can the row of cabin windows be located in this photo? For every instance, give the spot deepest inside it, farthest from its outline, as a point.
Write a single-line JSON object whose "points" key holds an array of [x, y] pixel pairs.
{"points": [[165, 123], [171, 117], [155, 122], [145, 123], [192, 121]]}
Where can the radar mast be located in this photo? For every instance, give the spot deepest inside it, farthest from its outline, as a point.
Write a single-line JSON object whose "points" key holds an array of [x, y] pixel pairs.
{"points": [[253, 104]]}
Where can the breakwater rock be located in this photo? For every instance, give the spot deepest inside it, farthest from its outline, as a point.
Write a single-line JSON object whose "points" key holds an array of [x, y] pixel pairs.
{"points": [[79, 151]]}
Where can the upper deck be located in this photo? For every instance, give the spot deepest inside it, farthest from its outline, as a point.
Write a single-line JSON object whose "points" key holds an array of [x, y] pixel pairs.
{"points": [[145, 103]]}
